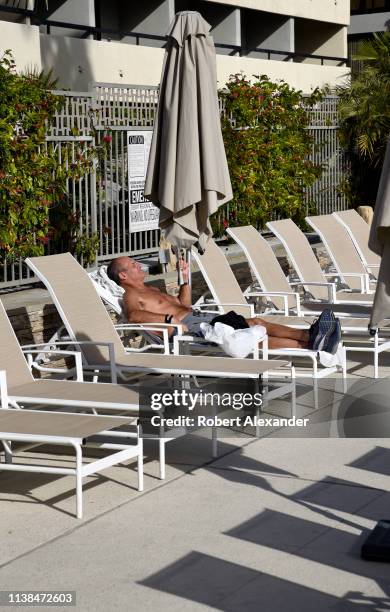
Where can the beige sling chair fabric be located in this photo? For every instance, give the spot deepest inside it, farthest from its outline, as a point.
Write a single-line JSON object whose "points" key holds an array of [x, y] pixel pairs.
{"points": [[359, 232]]}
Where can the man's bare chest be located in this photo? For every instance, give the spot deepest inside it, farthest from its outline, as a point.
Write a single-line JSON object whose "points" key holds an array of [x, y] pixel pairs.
{"points": [[155, 296]]}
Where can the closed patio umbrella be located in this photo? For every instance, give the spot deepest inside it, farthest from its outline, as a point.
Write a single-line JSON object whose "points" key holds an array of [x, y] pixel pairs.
{"points": [[379, 242], [187, 176]]}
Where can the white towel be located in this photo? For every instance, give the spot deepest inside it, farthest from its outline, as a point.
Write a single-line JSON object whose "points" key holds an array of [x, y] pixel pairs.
{"points": [[241, 342], [100, 277], [235, 342], [328, 360]]}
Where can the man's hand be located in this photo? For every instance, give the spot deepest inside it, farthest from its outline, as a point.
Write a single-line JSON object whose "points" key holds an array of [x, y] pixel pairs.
{"points": [[185, 269]]}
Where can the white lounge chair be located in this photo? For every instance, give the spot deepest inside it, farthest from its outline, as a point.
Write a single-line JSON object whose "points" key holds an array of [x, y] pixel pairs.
{"points": [[34, 428], [359, 232], [19, 389], [342, 252], [270, 277], [310, 273], [227, 295]]}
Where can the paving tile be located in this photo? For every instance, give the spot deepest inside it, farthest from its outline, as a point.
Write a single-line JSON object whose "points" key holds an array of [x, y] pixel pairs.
{"points": [[270, 521]]}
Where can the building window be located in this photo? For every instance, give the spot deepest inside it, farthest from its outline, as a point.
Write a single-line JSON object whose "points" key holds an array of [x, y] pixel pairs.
{"points": [[369, 6]]}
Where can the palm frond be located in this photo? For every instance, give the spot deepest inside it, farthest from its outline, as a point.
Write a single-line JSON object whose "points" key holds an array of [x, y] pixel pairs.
{"points": [[46, 79]]}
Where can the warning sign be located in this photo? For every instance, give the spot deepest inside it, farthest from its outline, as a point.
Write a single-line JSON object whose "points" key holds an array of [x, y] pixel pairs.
{"points": [[143, 214]]}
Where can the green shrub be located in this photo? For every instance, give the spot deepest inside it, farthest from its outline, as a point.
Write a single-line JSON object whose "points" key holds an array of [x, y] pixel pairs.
{"points": [[267, 146], [33, 183]]}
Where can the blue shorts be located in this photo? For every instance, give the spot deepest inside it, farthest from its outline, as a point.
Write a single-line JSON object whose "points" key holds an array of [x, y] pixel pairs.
{"points": [[194, 319]]}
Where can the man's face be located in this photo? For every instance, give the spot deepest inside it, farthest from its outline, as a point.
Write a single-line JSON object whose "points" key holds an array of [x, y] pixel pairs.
{"points": [[131, 271]]}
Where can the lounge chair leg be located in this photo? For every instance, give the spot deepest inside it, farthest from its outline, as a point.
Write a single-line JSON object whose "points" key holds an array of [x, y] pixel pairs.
{"points": [[376, 355], [376, 365], [7, 451], [315, 392], [257, 389], [79, 482], [293, 392], [214, 442], [315, 382], [161, 444], [140, 464], [344, 368]]}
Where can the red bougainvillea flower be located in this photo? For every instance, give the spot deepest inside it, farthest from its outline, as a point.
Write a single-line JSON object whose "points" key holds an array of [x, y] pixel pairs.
{"points": [[107, 138], [225, 223]]}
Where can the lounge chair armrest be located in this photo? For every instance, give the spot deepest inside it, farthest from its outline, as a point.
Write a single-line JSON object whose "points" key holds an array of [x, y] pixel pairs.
{"points": [[259, 293], [315, 283], [330, 286], [54, 351], [148, 327], [283, 294], [185, 338], [203, 299], [42, 345], [355, 274], [364, 279], [250, 307], [109, 345], [334, 277], [76, 354]]}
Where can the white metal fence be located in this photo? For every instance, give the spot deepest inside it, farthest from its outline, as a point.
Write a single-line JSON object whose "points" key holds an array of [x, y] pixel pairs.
{"points": [[100, 199], [327, 191], [121, 109]]}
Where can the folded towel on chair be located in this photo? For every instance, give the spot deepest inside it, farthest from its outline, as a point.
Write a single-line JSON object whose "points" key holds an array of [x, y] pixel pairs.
{"points": [[237, 343]]}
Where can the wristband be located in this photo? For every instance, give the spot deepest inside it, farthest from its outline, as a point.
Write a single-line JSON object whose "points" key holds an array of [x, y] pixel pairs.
{"points": [[185, 283], [168, 318]]}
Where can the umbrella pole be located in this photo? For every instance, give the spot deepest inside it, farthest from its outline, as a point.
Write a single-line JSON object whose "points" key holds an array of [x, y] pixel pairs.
{"points": [[188, 259]]}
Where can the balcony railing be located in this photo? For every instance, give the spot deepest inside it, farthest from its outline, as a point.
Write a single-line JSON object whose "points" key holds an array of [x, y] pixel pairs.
{"points": [[139, 37]]}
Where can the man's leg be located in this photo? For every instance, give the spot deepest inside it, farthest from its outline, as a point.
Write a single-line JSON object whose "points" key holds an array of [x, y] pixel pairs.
{"points": [[281, 336]]}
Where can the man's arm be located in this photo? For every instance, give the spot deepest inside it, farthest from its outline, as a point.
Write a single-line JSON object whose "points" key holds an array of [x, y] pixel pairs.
{"points": [[144, 316], [185, 295], [185, 289]]}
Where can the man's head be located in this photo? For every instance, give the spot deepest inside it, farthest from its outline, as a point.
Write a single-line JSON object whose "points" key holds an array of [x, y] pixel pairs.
{"points": [[125, 271]]}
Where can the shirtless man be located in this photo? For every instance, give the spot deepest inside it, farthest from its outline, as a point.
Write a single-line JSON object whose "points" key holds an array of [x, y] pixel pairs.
{"points": [[144, 304]]}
